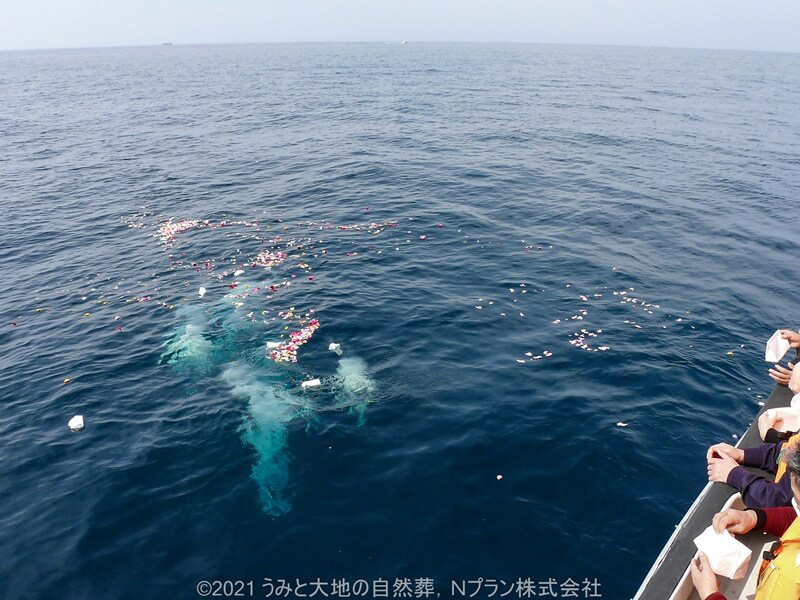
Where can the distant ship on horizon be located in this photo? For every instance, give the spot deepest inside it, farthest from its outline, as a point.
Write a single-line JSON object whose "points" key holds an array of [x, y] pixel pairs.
{"points": [[166, 43]]}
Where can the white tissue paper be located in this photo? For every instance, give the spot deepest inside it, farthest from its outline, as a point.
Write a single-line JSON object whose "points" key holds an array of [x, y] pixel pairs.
{"points": [[311, 383], [201, 292], [238, 272], [728, 557], [76, 423], [795, 403], [776, 347], [790, 416], [334, 347], [273, 345]]}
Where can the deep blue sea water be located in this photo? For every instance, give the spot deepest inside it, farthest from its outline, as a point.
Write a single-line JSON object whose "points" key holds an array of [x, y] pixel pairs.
{"points": [[486, 191]]}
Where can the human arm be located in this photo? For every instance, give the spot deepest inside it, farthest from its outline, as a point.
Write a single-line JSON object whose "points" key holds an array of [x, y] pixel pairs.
{"points": [[758, 491], [704, 579], [724, 457], [778, 519], [723, 449], [793, 337], [768, 422], [774, 520], [781, 375], [763, 456]]}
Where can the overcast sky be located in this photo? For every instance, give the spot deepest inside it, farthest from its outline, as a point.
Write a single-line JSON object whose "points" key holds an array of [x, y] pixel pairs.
{"points": [[741, 24]]}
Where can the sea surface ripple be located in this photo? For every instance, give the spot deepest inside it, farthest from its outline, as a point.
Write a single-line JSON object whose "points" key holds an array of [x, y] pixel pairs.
{"points": [[650, 192]]}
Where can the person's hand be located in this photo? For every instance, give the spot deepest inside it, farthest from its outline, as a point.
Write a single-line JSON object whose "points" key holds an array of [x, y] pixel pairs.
{"points": [[781, 374], [719, 468], [735, 521], [703, 577], [792, 336], [794, 382], [766, 422], [718, 450]]}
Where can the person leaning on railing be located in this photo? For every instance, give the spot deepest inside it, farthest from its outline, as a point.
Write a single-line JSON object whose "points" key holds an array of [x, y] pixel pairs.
{"points": [[726, 465], [724, 460], [779, 576]]}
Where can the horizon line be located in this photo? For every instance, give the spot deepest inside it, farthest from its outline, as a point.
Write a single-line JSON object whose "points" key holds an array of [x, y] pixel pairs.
{"points": [[302, 42]]}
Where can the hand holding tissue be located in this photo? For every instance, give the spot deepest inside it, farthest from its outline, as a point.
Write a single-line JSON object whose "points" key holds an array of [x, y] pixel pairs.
{"points": [[789, 416], [776, 347], [727, 556]]}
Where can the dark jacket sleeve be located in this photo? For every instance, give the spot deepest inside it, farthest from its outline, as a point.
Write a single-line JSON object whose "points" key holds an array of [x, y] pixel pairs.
{"points": [[773, 436], [763, 457], [758, 492]]}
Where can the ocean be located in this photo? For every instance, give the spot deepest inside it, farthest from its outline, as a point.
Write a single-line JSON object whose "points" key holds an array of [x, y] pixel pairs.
{"points": [[551, 271]]}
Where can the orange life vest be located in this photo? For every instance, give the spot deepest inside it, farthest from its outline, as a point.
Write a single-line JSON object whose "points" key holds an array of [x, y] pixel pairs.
{"points": [[779, 577]]}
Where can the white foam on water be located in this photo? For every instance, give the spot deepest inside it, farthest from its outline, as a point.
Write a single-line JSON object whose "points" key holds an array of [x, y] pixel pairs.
{"points": [[270, 410], [353, 386], [353, 375], [188, 344]]}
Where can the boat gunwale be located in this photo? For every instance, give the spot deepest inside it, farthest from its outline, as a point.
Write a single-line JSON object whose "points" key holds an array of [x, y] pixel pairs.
{"points": [[670, 564]]}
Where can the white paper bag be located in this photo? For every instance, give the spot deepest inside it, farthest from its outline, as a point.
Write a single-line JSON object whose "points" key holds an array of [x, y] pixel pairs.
{"points": [[790, 416], [76, 423], [728, 557], [776, 347]]}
